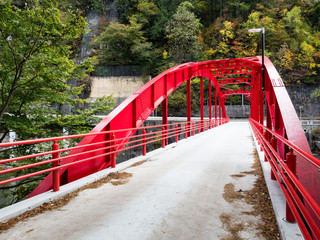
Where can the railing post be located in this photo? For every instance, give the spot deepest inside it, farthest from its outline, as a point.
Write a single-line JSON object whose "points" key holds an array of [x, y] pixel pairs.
{"points": [[265, 135], [113, 155], [186, 131], [193, 129], [189, 101], [165, 116], [215, 104], [176, 133], [274, 146], [55, 174], [257, 137], [291, 162], [201, 102], [144, 146], [199, 126], [209, 100], [163, 138]]}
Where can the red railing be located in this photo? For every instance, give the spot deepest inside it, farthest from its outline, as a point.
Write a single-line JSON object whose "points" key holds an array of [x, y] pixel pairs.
{"points": [[301, 205], [112, 147]]}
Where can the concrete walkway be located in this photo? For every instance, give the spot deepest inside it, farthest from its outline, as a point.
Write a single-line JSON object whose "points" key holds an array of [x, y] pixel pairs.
{"points": [[176, 194]]}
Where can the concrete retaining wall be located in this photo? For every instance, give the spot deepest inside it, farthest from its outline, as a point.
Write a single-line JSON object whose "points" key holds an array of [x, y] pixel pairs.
{"points": [[120, 87], [306, 107]]}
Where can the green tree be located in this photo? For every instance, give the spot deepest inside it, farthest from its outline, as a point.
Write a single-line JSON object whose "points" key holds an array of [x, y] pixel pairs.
{"points": [[183, 34], [35, 67], [153, 14], [166, 9], [122, 44], [144, 13]]}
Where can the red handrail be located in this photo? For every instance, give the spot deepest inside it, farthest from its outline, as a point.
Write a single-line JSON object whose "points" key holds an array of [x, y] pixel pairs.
{"points": [[310, 158], [114, 147], [303, 207]]}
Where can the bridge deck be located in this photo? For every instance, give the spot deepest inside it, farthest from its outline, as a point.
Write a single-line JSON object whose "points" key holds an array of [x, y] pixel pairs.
{"points": [[177, 194]]}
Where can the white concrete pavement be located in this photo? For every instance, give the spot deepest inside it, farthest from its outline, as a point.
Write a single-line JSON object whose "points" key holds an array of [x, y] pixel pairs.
{"points": [[176, 194]]}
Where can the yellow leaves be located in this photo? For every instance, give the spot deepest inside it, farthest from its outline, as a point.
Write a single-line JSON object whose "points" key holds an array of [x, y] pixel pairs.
{"points": [[308, 52], [312, 65], [307, 49], [196, 80], [286, 57], [254, 17], [227, 31], [223, 48], [211, 52], [268, 22], [165, 54]]}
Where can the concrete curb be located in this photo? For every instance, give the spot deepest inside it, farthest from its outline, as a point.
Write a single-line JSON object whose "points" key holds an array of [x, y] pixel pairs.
{"points": [[289, 231], [31, 203]]}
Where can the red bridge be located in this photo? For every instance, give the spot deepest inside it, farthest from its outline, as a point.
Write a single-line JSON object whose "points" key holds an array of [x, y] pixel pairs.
{"points": [[273, 121]]}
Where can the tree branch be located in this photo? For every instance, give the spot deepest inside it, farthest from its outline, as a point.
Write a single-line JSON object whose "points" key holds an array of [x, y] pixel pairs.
{"points": [[12, 90], [11, 49], [21, 105], [35, 43], [19, 85]]}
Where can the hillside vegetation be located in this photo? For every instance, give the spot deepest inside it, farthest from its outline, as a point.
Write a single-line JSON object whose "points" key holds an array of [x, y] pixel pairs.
{"points": [[157, 34]]}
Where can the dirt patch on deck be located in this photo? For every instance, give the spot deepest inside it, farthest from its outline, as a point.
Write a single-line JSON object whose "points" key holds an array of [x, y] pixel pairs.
{"points": [[230, 226], [258, 197], [138, 163], [120, 178], [230, 195], [237, 175], [115, 178]]}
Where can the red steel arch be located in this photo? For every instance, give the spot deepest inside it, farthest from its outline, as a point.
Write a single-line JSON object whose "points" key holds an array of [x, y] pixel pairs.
{"points": [[281, 115]]}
